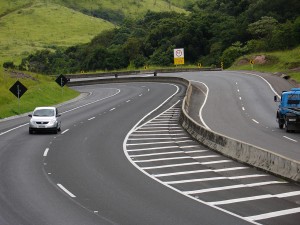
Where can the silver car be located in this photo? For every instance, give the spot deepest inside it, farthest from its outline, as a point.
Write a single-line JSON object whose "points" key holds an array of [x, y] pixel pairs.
{"points": [[45, 119]]}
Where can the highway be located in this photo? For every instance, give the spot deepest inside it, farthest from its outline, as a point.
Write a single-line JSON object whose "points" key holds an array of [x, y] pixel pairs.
{"points": [[241, 106], [122, 158]]}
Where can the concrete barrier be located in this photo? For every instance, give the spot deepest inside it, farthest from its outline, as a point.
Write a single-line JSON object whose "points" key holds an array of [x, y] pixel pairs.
{"points": [[243, 152], [130, 79], [235, 149]]}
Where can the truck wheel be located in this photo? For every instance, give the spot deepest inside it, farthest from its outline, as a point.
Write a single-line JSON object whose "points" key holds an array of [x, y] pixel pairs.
{"points": [[280, 125], [287, 128]]}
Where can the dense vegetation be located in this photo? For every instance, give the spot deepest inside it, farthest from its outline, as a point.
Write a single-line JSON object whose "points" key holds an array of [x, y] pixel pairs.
{"points": [[213, 31], [30, 25]]}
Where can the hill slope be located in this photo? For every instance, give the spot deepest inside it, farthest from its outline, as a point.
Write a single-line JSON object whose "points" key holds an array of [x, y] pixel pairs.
{"points": [[30, 25], [39, 26]]}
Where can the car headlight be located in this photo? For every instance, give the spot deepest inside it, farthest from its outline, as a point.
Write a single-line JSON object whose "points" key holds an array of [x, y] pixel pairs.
{"points": [[52, 122]]}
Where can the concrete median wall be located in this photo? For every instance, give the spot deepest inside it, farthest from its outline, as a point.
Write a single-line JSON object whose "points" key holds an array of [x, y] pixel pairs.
{"points": [[130, 79], [243, 152]]}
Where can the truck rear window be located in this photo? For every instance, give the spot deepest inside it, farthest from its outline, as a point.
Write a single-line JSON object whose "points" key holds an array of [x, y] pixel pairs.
{"points": [[294, 100]]}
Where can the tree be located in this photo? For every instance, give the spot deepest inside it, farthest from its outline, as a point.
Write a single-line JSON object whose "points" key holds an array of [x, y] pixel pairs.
{"points": [[263, 28]]}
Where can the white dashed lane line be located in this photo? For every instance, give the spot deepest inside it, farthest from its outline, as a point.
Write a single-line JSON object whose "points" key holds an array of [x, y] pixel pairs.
{"points": [[46, 152], [91, 118], [290, 139], [66, 190], [65, 131]]}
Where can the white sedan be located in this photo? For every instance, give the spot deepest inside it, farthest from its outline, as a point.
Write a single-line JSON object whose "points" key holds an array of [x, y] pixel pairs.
{"points": [[45, 119]]}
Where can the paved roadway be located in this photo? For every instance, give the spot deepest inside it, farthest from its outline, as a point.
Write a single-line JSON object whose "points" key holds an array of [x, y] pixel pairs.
{"points": [[82, 176], [241, 106]]}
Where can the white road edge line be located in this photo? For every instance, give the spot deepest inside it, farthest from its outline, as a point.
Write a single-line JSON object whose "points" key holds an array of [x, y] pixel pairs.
{"points": [[5, 132], [66, 190], [204, 103], [147, 174], [118, 91]]}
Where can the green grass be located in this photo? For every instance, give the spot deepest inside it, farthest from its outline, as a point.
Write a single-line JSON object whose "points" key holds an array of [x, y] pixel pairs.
{"points": [[286, 62], [43, 26], [42, 91], [30, 25], [131, 8]]}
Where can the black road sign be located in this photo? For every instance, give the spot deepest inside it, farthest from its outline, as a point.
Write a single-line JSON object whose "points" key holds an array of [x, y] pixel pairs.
{"points": [[18, 89], [61, 80]]}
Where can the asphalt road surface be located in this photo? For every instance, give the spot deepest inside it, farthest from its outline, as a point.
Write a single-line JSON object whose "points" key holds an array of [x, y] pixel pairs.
{"points": [[82, 176], [241, 106], [122, 158]]}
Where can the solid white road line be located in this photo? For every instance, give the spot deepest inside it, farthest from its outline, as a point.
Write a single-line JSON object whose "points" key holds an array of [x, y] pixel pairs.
{"points": [[288, 194], [214, 178], [66, 190], [152, 128], [145, 139], [172, 165], [13, 129], [178, 134], [273, 214], [148, 149], [216, 162], [167, 153], [258, 197], [175, 158], [163, 142], [199, 171], [183, 173], [252, 198], [157, 131], [232, 187]]}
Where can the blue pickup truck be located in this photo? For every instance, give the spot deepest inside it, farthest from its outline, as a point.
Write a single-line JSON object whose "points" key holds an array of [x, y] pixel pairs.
{"points": [[288, 113]]}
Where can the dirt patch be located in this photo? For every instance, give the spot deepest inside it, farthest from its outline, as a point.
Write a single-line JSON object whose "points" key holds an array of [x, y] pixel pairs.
{"points": [[21, 75], [260, 59]]}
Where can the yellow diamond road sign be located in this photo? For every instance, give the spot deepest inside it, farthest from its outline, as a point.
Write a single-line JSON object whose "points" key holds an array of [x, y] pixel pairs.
{"points": [[178, 56]]}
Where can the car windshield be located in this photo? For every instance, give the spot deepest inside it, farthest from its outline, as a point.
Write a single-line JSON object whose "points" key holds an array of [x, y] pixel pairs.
{"points": [[44, 112]]}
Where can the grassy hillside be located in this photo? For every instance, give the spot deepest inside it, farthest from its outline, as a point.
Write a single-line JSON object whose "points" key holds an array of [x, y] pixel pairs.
{"points": [[285, 62], [131, 8], [30, 25], [42, 91], [41, 26]]}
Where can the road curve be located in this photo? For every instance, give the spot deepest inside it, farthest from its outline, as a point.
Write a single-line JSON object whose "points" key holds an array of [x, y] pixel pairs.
{"points": [[81, 176], [240, 105]]}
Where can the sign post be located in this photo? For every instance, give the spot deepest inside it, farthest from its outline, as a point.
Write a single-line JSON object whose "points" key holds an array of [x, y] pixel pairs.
{"points": [[252, 63], [18, 89], [61, 80], [179, 56]]}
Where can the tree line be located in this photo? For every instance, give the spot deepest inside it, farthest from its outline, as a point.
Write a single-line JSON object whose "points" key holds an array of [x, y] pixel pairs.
{"points": [[212, 31]]}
